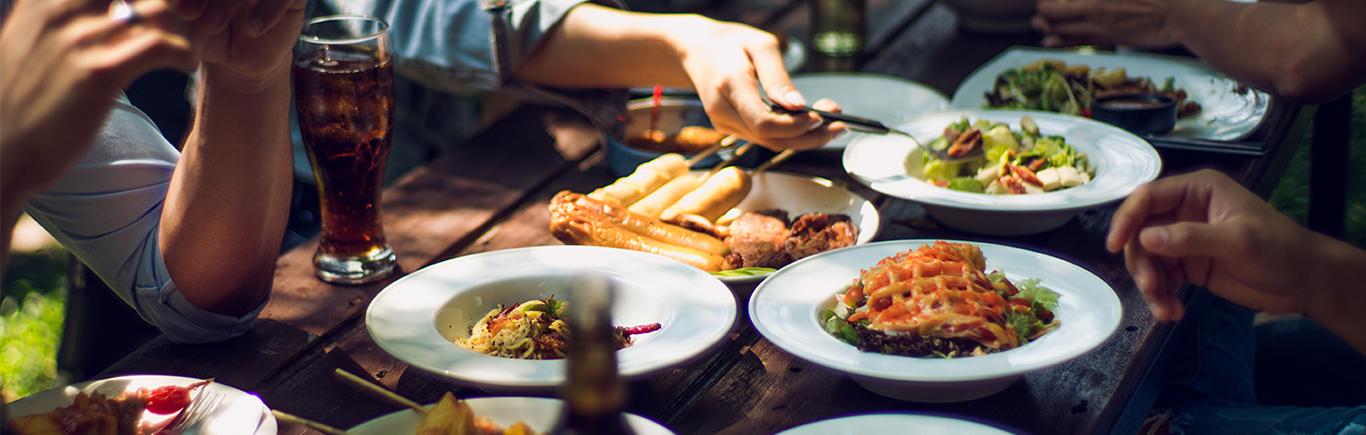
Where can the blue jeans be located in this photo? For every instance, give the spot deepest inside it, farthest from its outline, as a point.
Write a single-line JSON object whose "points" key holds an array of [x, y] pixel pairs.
{"points": [[1210, 387]]}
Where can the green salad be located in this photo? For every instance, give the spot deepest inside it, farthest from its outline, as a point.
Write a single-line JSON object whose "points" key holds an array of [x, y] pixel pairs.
{"points": [[1012, 163]]}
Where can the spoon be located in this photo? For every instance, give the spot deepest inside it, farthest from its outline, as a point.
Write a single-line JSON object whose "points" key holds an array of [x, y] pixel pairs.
{"points": [[872, 126]]}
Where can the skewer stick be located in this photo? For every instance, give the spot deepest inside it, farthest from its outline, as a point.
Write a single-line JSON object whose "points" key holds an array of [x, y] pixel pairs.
{"points": [[725, 142], [773, 161], [738, 152], [381, 392], [289, 418]]}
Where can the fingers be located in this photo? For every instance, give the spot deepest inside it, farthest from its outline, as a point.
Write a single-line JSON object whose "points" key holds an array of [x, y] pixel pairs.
{"points": [[1152, 278], [267, 13]]}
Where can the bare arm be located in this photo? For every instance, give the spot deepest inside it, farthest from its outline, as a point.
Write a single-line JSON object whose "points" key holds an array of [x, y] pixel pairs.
{"points": [[228, 202], [1310, 52], [722, 61], [1205, 229]]}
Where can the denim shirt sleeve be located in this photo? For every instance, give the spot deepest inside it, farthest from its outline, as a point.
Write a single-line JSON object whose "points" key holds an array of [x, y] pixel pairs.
{"points": [[107, 210], [472, 47]]}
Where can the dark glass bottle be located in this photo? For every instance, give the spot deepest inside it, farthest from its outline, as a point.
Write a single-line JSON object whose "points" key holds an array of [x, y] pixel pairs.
{"points": [[594, 394], [838, 30]]}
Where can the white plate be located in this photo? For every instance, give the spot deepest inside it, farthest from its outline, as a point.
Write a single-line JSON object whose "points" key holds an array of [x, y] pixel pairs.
{"points": [[240, 413], [887, 99], [538, 412], [803, 194], [1225, 114], [892, 165], [877, 423], [416, 317], [786, 310]]}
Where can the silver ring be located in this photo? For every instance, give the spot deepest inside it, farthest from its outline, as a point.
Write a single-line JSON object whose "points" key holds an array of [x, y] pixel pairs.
{"points": [[122, 11]]}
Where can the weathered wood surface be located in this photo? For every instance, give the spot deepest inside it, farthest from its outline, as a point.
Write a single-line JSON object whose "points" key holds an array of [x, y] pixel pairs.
{"points": [[491, 194]]}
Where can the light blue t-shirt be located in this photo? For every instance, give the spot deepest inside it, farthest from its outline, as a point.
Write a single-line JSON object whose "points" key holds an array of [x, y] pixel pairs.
{"points": [[106, 211]]}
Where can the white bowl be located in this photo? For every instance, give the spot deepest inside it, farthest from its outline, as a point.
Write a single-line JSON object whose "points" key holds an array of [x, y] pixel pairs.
{"points": [[786, 310], [238, 413], [891, 164], [417, 317], [538, 412], [879, 422], [888, 99], [803, 194]]}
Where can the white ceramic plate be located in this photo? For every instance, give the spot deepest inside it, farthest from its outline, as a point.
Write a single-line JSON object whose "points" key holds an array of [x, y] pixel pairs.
{"points": [[240, 413], [538, 412], [802, 194], [1226, 114], [887, 99], [786, 310], [417, 317], [891, 164], [878, 423]]}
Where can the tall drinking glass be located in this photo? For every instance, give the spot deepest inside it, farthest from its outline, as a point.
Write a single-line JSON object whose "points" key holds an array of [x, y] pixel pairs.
{"points": [[344, 96]]}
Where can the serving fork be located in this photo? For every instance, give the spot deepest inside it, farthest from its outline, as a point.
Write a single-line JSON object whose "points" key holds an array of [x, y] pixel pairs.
{"points": [[204, 403]]}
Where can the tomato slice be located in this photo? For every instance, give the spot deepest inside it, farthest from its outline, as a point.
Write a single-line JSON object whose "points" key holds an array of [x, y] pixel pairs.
{"points": [[171, 399], [168, 399]]}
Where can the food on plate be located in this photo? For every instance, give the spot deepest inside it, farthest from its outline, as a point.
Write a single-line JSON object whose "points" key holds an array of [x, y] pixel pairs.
{"points": [[718, 194], [1014, 162], [577, 219], [769, 239], [645, 179], [654, 204], [452, 416], [938, 301], [535, 329], [689, 140], [1054, 86], [96, 414]]}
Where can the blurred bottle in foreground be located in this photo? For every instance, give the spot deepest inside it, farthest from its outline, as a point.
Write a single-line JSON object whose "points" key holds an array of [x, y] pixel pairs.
{"points": [[838, 30], [594, 394]]}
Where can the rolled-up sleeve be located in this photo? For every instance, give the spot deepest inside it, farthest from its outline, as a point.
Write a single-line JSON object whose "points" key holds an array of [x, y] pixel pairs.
{"points": [[473, 47], [107, 210]]}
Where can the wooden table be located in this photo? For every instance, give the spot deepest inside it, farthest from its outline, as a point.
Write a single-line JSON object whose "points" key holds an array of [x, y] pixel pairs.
{"points": [[492, 193]]}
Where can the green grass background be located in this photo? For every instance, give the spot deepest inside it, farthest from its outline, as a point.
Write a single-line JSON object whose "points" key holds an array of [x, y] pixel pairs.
{"points": [[33, 300]]}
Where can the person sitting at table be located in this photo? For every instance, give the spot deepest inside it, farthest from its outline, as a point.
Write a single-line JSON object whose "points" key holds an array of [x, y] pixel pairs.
{"points": [[190, 239], [1206, 229], [1309, 52], [187, 237]]}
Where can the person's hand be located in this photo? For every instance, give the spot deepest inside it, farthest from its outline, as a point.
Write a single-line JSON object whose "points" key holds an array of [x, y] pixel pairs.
{"points": [[62, 63], [249, 39], [723, 60], [1143, 23], [1205, 229]]}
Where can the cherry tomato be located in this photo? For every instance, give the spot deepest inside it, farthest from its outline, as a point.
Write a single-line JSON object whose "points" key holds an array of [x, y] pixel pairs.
{"points": [[168, 399]]}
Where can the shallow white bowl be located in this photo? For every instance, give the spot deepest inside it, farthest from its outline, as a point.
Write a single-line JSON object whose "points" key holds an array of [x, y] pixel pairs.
{"points": [[892, 164], [538, 412], [803, 194], [786, 310], [239, 412], [417, 317], [880, 422], [887, 99]]}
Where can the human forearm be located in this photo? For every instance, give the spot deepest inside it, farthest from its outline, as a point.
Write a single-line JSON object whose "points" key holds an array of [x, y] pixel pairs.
{"points": [[1309, 52], [626, 49], [229, 199], [1336, 296]]}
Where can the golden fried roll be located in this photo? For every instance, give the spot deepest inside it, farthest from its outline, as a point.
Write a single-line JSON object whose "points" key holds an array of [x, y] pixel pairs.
{"points": [[646, 178], [641, 224], [656, 202], [695, 139], [575, 226], [720, 193]]}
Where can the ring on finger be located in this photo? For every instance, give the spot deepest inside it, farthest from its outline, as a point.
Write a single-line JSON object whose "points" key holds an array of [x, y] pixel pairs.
{"points": [[123, 11]]}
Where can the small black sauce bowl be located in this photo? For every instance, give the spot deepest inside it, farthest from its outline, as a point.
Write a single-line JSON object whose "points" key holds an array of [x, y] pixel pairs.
{"points": [[1138, 113]]}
